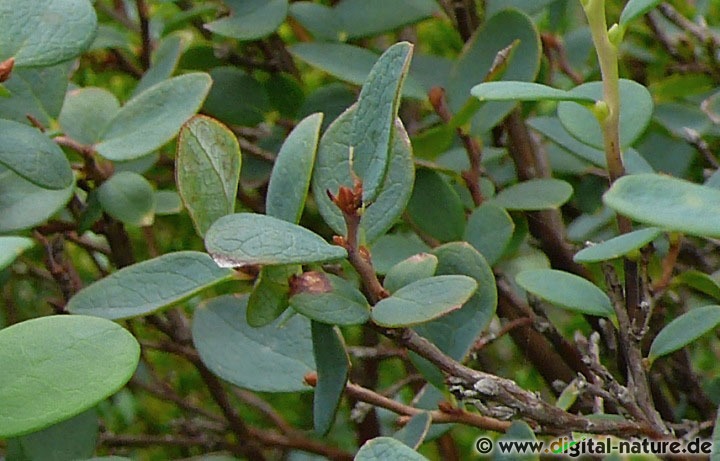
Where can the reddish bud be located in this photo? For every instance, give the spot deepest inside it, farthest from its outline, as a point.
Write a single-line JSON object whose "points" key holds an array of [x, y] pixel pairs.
{"points": [[313, 282], [311, 379], [6, 68], [447, 407]]}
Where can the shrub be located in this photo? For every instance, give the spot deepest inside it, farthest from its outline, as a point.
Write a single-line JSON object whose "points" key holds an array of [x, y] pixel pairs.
{"points": [[364, 229]]}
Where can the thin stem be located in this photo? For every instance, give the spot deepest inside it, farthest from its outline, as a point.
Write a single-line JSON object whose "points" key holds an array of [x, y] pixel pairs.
{"points": [[144, 13], [608, 58]]}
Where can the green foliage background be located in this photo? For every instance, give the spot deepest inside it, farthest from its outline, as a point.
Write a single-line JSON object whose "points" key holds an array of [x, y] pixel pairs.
{"points": [[258, 213]]}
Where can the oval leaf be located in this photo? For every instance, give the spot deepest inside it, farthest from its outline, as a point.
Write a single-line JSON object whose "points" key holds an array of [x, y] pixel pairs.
{"points": [[332, 170], [478, 56], [290, 178], [348, 63], [24, 204], [32, 155], [524, 91], [435, 207], [128, 197], [683, 330], [489, 229], [207, 168], [567, 291], [86, 112], [636, 108], [35, 91], [45, 361], [362, 18], [71, 439], [535, 194], [414, 432], [667, 202], [274, 358], [333, 365], [385, 448], [424, 300], [699, 281], [250, 19], [412, 269], [63, 30], [230, 86], [636, 8], [466, 323], [248, 238], [11, 247], [145, 287], [374, 121], [153, 117], [342, 305], [617, 246], [164, 61]]}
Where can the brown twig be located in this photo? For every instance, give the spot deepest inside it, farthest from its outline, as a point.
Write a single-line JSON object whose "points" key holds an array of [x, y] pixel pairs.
{"points": [[472, 147], [447, 415], [491, 389], [61, 269], [350, 201], [146, 47], [695, 140], [668, 265], [109, 439], [555, 52], [507, 328]]}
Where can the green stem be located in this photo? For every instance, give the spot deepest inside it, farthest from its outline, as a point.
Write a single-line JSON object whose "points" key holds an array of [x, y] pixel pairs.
{"points": [[608, 58]]}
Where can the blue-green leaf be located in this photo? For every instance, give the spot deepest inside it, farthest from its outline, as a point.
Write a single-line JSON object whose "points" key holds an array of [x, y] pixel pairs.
{"points": [[636, 8], [489, 229], [617, 246], [386, 448], [153, 117], [250, 19], [435, 207], [467, 322], [535, 194], [72, 439], [683, 330], [329, 299], [208, 170], [636, 108], [11, 247], [164, 61], [373, 123], [274, 358], [128, 197], [424, 300], [524, 91], [249, 238], [145, 287], [292, 171], [667, 202], [412, 269], [333, 365], [332, 170], [47, 360], [567, 291], [32, 155], [348, 63], [86, 112], [414, 432], [24, 204], [45, 32]]}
